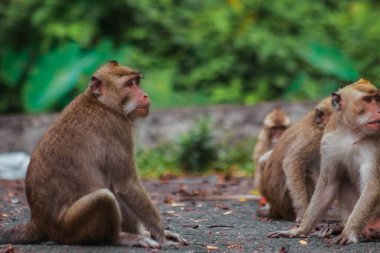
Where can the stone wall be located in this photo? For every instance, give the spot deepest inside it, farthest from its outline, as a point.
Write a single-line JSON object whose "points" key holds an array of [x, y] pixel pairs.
{"points": [[21, 133]]}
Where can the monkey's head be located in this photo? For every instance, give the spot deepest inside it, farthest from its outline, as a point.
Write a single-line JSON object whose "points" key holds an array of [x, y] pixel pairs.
{"points": [[276, 122], [358, 106], [323, 111], [119, 87]]}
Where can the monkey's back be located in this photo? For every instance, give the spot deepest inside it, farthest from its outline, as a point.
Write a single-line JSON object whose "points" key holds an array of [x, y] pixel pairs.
{"points": [[293, 143], [273, 181], [71, 158]]}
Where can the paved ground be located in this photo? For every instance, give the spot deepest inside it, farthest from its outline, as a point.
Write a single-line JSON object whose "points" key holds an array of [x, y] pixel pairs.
{"points": [[210, 226]]}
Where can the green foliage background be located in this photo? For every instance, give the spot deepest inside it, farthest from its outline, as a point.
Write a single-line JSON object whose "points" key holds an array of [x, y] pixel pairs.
{"points": [[192, 52]]}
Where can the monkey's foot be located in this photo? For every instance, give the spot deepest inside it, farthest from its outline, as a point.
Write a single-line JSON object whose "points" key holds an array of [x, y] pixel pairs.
{"points": [[175, 238], [136, 240], [343, 239], [263, 212], [292, 233], [328, 231]]}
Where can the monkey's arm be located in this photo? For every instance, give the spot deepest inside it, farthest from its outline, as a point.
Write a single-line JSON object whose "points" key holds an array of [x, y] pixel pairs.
{"points": [[264, 158], [321, 200], [293, 167]]}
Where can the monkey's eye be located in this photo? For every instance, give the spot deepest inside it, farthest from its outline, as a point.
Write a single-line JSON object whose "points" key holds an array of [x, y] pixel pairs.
{"points": [[137, 80], [367, 99], [133, 81], [129, 83]]}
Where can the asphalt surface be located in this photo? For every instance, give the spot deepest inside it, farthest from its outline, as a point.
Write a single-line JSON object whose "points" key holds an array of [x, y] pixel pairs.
{"points": [[209, 226]]}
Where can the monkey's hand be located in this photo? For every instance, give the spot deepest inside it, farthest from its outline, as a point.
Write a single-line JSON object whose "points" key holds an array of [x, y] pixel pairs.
{"points": [[344, 239], [174, 238], [136, 240], [292, 233]]}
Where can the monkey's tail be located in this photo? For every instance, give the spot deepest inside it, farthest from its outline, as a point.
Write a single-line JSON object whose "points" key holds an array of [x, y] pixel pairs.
{"points": [[23, 233]]}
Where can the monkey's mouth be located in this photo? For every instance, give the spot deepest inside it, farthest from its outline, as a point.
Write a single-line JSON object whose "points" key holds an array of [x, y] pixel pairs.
{"points": [[375, 122], [373, 125]]}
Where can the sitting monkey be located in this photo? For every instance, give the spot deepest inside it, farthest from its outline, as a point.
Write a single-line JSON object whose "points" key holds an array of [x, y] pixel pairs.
{"points": [[82, 184]]}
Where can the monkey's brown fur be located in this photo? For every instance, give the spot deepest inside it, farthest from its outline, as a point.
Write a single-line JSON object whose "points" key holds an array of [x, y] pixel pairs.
{"points": [[82, 185], [294, 162], [277, 121], [350, 167]]}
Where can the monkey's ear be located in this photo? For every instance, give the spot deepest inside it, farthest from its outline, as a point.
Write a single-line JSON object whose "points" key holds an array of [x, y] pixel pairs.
{"points": [[113, 63], [96, 86], [336, 101], [319, 116]]}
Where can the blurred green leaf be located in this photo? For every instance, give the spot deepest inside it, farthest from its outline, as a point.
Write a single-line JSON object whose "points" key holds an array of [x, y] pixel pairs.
{"points": [[54, 76], [12, 66], [81, 32], [329, 60]]}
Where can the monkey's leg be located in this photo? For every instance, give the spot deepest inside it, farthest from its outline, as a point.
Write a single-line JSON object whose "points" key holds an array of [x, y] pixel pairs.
{"points": [[94, 218], [130, 223], [347, 198], [135, 232], [23, 233]]}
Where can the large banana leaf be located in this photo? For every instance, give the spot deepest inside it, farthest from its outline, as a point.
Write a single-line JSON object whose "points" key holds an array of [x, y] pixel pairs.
{"points": [[329, 60], [57, 73], [54, 76]]}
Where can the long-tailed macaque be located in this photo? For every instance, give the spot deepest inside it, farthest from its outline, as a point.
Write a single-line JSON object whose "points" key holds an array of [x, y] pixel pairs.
{"points": [[274, 124], [291, 172], [350, 166], [82, 185]]}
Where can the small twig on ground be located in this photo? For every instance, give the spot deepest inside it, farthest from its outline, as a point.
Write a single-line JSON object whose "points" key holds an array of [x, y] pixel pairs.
{"points": [[221, 197]]}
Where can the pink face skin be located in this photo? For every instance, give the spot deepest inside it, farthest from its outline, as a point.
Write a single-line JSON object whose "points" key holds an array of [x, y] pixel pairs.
{"points": [[372, 106], [139, 102], [275, 133]]}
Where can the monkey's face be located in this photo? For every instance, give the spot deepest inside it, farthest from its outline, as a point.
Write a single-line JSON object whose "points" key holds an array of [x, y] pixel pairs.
{"points": [[360, 107], [135, 102], [275, 133], [119, 87], [368, 109]]}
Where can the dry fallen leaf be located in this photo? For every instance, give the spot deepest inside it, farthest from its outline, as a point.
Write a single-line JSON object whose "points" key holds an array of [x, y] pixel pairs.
{"points": [[175, 204], [227, 213], [303, 242], [255, 192], [211, 247], [242, 200], [235, 246], [169, 199], [191, 226], [222, 206]]}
